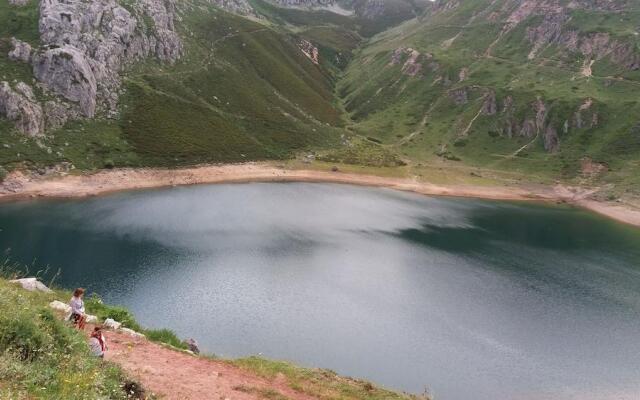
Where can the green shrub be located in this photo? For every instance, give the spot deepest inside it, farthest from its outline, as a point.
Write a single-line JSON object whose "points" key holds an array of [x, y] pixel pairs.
{"points": [[22, 336], [95, 306]]}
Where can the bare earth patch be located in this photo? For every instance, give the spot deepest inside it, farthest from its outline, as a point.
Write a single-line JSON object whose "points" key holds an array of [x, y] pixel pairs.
{"points": [[174, 375]]}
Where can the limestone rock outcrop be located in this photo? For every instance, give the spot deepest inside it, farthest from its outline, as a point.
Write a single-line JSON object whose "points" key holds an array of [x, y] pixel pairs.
{"points": [[21, 51], [85, 45], [489, 105], [459, 96], [309, 50], [32, 285], [67, 72], [413, 64], [88, 43], [19, 105]]}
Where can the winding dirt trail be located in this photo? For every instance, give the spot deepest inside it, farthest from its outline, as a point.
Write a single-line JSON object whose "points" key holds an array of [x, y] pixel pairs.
{"points": [[174, 375]]}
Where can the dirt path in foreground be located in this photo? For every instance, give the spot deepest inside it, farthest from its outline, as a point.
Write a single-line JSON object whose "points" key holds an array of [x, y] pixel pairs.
{"points": [[174, 375], [20, 186]]}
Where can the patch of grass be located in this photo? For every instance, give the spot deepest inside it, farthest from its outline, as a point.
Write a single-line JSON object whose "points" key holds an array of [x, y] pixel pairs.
{"points": [[165, 336], [363, 152], [320, 383]]}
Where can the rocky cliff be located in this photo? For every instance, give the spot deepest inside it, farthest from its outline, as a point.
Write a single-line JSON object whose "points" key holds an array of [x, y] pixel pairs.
{"points": [[83, 47]]}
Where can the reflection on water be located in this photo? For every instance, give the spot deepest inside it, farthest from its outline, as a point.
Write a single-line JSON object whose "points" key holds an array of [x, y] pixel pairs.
{"points": [[473, 299]]}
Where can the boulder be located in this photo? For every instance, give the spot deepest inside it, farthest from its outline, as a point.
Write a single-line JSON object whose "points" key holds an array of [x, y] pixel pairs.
{"points": [[110, 323], [91, 319], [32, 285], [20, 107], [60, 306], [67, 72], [21, 51]]}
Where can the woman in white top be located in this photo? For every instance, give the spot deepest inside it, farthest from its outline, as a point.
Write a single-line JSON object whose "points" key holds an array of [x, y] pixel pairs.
{"points": [[78, 316]]}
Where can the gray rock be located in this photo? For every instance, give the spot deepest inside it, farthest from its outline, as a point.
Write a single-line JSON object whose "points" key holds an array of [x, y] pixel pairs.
{"points": [[551, 140], [57, 113], [87, 43], [459, 96], [21, 51], [32, 285], [18, 3], [67, 72], [21, 107], [489, 106], [528, 128], [193, 346]]}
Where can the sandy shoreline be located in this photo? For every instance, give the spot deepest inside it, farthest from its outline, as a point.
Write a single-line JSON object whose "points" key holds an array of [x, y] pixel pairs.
{"points": [[18, 186]]}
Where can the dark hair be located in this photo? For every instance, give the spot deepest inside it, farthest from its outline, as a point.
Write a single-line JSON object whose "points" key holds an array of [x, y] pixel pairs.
{"points": [[78, 292]]}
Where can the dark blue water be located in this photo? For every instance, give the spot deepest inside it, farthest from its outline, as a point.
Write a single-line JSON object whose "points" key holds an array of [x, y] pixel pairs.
{"points": [[472, 299]]}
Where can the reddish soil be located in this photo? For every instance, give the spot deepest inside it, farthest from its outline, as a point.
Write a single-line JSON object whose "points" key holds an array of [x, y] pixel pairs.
{"points": [[176, 375]]}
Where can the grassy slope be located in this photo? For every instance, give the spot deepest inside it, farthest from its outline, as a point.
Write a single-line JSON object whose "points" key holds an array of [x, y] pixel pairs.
{"points": [[391, 106], [41, 357]]}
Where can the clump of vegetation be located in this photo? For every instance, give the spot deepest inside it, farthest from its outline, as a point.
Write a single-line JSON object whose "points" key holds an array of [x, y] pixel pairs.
{"points": [[42, 357], [165, 336], [363, 152]]}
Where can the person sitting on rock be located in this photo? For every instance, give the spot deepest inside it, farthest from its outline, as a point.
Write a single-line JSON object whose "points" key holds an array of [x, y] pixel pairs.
{"points": [[97, 342], [78, 316]]}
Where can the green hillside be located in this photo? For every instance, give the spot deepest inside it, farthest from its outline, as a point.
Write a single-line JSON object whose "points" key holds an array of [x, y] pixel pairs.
{"points": [[477, 80], [41, 357], [543, 89]]}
